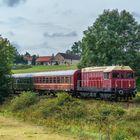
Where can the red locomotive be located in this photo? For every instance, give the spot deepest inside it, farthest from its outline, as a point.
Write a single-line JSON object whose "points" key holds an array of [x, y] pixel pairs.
{"points": [[108, 82]]}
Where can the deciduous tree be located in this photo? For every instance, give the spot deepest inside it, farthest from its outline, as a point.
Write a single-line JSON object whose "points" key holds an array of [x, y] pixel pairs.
{"points": [[7, 52], [114, 39]]}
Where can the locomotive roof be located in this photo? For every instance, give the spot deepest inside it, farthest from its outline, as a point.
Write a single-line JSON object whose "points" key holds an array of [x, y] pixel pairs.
{"points": [[50, 73], [106, 68]]}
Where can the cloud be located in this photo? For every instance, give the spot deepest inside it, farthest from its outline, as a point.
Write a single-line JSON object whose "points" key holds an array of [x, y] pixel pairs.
{"points": [[17, 46], [135, 14], [71, 34], [67, 12], [10, 33], [13, 3]]}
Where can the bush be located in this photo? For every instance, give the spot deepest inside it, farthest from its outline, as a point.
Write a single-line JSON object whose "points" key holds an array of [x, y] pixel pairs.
{"points": [[63, 107], [120, 135], [23, 101]]}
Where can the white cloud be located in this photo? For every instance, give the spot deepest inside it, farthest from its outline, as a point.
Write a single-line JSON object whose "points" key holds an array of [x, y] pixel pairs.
{"points": [[49, 26]]}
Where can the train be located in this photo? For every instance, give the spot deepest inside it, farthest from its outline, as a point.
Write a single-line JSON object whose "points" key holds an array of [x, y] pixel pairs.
{"points": [[106, 82]]}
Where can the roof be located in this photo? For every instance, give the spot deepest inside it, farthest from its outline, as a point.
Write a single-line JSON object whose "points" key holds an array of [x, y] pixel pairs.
{"points": [[51, 73], [106, 68], [29, 58], [44, 59], [70, 56], [27, 75]]}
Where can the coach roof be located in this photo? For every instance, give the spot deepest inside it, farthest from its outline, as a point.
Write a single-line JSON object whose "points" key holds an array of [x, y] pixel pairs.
{"points": [[106, 68], [51, 73]]}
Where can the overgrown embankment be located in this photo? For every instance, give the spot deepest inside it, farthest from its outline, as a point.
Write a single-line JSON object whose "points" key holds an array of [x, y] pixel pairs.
{"points": [[87, 119]]}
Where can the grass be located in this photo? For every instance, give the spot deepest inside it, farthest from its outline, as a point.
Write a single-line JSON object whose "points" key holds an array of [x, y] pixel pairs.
{"points": [[45, 68], [11, 129], [85, 119]]}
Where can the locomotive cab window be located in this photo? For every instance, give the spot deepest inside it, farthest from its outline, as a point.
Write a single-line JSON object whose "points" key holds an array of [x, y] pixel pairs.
{"points": [[106, 75], [115, 75], [129, 75]]}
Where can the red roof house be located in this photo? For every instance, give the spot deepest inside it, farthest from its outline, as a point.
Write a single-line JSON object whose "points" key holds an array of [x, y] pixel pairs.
{"points": [[44, 60]]}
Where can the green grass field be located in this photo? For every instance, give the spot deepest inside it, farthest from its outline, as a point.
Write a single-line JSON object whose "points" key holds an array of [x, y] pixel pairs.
{"points": [[45, 68]]}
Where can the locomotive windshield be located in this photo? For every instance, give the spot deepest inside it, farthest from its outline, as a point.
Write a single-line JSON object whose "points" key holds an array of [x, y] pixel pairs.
{"points": [[122, 75]]}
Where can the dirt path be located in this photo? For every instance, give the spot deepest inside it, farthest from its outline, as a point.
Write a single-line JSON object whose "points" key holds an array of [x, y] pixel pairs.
{"points": [[11, 129]]}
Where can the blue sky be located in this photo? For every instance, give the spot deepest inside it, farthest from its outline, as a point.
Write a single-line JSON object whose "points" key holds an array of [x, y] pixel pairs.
{"points": [[45, 27]]}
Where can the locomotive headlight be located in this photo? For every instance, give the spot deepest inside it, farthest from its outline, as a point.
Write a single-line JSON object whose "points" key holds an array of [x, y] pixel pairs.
{"points": [[121, 92]]}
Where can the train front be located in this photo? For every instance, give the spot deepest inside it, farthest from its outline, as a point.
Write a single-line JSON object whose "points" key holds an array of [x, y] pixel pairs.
{"points": [[123, 82]]}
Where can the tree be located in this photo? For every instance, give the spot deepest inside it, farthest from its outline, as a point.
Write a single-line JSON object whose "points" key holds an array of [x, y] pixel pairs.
{"points": [[68, 52], [75, 49], [7, 52], [19, 59], [34, 57], [114, 39]]}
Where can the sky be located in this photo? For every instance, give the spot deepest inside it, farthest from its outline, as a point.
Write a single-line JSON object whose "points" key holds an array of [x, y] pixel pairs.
{"points": [[46, 27]]}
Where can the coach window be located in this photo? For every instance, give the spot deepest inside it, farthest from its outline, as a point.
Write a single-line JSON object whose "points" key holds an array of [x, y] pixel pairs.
{"points": [[54, 79], [115, 75], [106, 75], [58, 79], [67, 79], [46, 80], [50, 79], [62, 79], [37, 80]]}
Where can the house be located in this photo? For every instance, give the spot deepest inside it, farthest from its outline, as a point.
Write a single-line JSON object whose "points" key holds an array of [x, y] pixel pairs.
{"points": [[63, 58], [28, 58], [44, 60]]}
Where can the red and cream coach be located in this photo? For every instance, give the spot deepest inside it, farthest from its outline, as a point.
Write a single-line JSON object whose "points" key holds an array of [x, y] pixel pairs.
{"points": [[111, 82]]}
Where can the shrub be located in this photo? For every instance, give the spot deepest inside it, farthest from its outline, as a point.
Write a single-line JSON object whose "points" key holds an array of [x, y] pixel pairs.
{"points": [[23, 101], [120, 135], [62, 107]]}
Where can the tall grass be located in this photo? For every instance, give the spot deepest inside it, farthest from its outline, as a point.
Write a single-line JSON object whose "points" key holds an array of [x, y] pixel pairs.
{"points": [[87, 119]]}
